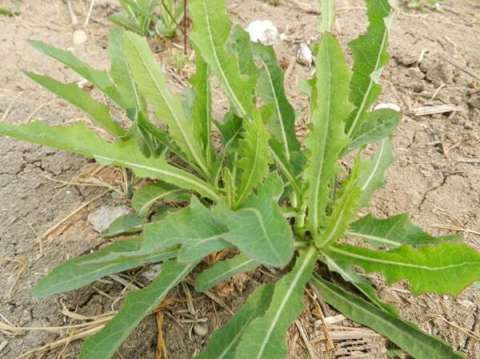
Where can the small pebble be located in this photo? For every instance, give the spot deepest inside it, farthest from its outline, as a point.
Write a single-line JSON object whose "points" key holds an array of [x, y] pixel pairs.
{"points": [[263, 31], [304, 55], [201, 329], [103, 217]]}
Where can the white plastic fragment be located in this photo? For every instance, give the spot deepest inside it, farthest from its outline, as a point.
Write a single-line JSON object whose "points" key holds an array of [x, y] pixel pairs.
{"points": [[387, 106], [304, 55], [263, 31]]}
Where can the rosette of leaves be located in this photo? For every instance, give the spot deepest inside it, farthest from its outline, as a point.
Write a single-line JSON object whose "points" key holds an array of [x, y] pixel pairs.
{"points": [[258, 194]]}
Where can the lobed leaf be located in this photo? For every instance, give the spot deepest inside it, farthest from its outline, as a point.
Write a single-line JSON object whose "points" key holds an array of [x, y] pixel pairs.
{"points": [[100, 79], [265, 336], [224, 341], [363, 285], [98, 112], [392, 232], [254, 159], [370, 55], [404, 334], [326, 140], [137, 305], [223, 270], [78, 139], [446, 268], [80, 271], [210, 35]]}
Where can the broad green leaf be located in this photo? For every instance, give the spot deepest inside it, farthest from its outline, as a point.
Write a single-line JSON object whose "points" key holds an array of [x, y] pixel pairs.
{"points": [[80, 271], [127, 224], [201, 109], [210, 34], [223, 342], [193, 226], [446, 268], [373, 176], [370, 55], [330, 109], [223, 270], [392, 232], [152, 140], [378, 125], [344, 208], [265, 336], [404, 334], [254, 157], [258, 228], [145, 197], [79, 139], [348, 273], [98, 112], [98, 78], [152, 83], [137, 305]]}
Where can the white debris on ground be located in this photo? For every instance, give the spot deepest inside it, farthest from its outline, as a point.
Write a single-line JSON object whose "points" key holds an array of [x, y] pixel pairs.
{"points": [[304, 55], [79, 37], [263, 31], [387, 106], [103, 217]]}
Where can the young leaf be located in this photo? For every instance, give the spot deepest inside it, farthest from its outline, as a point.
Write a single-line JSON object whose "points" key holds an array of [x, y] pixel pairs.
{"points": [[223, 342], [258, 228], [377, 125], [370, 55], [253, 157], [405, 335], [127, 224], [79, 139], [120, 72], [201, 109], [99, 79], [372, 178], [446, 268], [152, 84], [392, 232], [98, 112], [210, 34], [343, 208], [80, 271], [265, 336], [137, 305], [194, 226], [223, 270], [330, 109], [145, 197]]}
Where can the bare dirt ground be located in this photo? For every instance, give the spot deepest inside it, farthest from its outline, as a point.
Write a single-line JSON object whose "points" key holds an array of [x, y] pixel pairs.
{"points": [[435, 61]]}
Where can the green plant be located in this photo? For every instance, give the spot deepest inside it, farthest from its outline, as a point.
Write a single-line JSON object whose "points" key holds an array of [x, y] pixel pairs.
{"points": [[257, 194], [140, 17]]}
